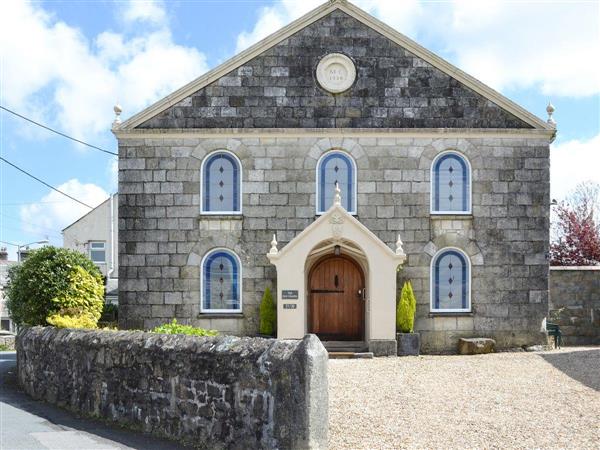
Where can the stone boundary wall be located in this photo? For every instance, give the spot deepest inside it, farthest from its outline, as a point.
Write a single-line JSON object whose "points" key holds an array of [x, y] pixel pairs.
{"points": [[213, 392], [577, 290]]}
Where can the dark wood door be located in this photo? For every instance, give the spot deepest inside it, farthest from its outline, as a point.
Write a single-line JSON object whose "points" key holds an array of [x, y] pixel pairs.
{"points": [[337, 311]]}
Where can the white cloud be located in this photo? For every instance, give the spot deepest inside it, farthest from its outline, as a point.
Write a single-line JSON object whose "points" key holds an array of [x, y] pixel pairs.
{"points": [[547, 45], [54, 213], [44, 57], [573, 162]]}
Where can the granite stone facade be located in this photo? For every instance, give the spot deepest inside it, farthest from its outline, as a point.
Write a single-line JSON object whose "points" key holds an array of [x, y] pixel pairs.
{"points": [[210, 393], [163, 236], [575, 303], [394, 89]]}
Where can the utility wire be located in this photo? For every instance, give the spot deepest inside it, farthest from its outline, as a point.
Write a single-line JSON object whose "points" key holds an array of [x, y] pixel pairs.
{"points": [[55, 131], [44, 183]]}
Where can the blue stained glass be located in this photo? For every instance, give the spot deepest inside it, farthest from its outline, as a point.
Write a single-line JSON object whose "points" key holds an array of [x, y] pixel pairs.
{"points": [[221, 184], [451, 184], [220, 281], [451, 281], [336, 167]]}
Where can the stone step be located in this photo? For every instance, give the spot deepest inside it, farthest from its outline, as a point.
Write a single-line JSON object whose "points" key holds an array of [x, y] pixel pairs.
{"points": [[345, 346], [350, 355]]}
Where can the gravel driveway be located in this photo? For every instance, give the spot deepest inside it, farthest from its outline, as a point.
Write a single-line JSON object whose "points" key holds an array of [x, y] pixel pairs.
{"points": [[503, 400]]}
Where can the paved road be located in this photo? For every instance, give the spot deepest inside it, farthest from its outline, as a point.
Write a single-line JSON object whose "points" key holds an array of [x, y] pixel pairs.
{"points": [[26, 424]]}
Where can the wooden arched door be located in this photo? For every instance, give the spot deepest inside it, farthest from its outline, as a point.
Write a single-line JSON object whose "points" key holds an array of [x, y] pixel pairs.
{"points": [[336, 308]]}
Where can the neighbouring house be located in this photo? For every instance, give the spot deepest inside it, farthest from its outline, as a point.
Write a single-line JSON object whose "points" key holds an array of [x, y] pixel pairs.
{"points": [[96, 235], [6, 323], [331, 161]]}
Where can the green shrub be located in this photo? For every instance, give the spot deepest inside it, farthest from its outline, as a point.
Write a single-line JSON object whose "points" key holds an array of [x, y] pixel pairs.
{"points": [[176, 328], [267, 314], [405, 309], [60, 321], [54, 281]]}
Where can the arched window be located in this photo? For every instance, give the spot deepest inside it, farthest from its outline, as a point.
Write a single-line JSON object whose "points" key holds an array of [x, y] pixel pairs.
{"points": [[450, 281], [336, 167], [221, 184], [221, 282], [450, 184]]}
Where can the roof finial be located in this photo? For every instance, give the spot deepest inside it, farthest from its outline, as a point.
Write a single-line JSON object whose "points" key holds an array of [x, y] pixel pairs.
{"points": [[118, 110], [550, 110], [337, 198], [274, 250], [399, 249]]}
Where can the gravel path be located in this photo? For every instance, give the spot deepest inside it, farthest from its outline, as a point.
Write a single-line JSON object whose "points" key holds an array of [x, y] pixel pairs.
{"points": [[504, 400]]}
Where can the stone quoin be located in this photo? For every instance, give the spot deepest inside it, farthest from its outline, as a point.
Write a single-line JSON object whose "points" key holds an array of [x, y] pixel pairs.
{"points": [[332, 161]]}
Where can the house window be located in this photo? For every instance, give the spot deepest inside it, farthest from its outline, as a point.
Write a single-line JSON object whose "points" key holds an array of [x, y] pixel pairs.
{"points": [[451, 184], [221, 184], [221, 285], [336, 167], [98, 252], [450, 281]]}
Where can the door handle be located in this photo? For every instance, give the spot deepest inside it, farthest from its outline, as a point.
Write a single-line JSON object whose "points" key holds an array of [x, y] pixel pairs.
{"points": [[362, 294]]}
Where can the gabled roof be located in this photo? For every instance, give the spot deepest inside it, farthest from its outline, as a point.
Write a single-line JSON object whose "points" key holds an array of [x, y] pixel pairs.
{"points": [[316, 14]]}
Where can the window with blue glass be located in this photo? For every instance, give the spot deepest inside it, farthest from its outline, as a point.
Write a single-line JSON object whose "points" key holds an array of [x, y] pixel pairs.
{"points": [[221, 289], [450, 282], [336, 167], [451, 184], [221, 184]]}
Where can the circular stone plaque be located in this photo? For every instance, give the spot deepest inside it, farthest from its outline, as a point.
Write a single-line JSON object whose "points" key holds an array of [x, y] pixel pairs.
{"points": [[336, 73]]}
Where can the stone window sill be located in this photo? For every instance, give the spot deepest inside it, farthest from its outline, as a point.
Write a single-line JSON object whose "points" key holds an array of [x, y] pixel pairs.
{"points": [[207, 315], [451, 314], [204, 216], [451, 216]]}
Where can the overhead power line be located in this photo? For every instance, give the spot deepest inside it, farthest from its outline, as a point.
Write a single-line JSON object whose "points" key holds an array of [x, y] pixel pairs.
{"points": [[44, 183], [57, 132]]}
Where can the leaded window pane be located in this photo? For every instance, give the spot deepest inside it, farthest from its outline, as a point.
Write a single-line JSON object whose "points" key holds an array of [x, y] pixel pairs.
{"points": [[221, 282], [451, 184], [451, 281], [336, 168], [221, 184]]}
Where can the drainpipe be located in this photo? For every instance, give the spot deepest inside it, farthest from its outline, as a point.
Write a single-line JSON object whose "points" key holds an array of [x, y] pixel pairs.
{"points": [[112, 237]]}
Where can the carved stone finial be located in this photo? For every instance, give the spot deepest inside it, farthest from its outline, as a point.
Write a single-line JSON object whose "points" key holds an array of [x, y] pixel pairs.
{"points": [[118, 110], [550, 110], [274, 250], [399, 249], [337, 198]]}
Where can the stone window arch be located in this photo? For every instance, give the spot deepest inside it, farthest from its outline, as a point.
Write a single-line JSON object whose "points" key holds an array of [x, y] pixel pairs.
{"points": [[221, 184], [450, 281], [336, 166], [221, 287], [450, 184]]}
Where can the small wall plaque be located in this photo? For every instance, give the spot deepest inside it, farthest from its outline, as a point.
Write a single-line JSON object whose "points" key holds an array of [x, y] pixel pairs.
{"points": [[289, 295], [289, 306]]}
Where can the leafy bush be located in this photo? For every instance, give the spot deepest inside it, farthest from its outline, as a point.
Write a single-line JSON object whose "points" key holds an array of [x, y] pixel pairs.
{"points": [[405, 309], [176, 328], [267, 314], [54, 281], [60, 321]]}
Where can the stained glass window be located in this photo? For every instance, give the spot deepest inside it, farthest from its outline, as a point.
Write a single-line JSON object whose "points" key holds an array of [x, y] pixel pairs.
{"points": [[451, 184], [221, 282], [221, 184], [450, 281], [335, 167]]}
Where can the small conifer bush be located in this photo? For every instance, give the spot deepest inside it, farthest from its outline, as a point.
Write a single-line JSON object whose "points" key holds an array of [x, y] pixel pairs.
{"points": [[405, 309], [267, 314]]}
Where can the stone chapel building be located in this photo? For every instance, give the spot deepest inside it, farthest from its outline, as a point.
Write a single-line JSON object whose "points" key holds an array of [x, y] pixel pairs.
{"points": [[228, 186]]}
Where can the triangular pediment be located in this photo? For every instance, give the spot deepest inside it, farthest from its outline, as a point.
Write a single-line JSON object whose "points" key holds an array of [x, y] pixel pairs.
{"points": [[337, 224], [399, 84]]}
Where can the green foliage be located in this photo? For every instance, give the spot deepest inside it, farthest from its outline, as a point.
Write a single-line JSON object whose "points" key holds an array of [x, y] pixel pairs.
{"points": [[54, 281], [60, 321], [4, 348], [176, 328], [405, 309], [267, 314]]}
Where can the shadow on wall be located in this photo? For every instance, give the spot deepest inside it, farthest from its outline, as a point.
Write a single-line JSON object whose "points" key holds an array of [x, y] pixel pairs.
{"points": [[579, 365]]}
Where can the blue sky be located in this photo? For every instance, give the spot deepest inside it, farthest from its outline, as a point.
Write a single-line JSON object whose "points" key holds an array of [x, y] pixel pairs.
{"points": [[66, 63]]}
